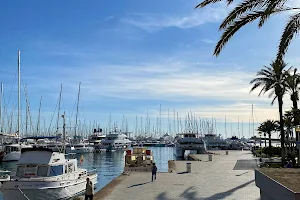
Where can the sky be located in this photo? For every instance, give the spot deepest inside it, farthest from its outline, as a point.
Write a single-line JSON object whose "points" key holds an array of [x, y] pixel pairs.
{"points": [[131, 57]]}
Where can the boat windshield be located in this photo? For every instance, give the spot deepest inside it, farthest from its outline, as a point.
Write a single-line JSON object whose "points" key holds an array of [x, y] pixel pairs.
{"points": [[189, 135], [56, 170]]}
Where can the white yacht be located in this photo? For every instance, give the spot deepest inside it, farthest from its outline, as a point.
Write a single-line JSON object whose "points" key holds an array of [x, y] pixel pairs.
{"points": [[79, 148], [189, 141], [115, 141], [44, 174], [12, 152], [215, 142], [96, 139], [235, 143]]}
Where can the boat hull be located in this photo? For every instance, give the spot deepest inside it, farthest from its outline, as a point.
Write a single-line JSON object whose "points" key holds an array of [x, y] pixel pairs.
{"points": [[40, 190], [180, 150], [79, 150]]}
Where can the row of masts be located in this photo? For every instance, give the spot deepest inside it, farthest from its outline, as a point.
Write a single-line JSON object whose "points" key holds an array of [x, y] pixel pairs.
{"points": [[149, 127]]}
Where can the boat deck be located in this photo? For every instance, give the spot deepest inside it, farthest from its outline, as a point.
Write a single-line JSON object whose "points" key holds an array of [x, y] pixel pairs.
{"points": [[225, 177]]}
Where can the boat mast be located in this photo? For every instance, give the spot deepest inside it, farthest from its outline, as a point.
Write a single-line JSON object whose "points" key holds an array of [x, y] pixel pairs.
{"points": [[159, 118], [58, 108], [39, 118], [26, 120], [64, 131], [239, 126], [1, 96], [76, 120], [225, 128], [19, 94], [147, 124], [252, 122], [174, 123]]}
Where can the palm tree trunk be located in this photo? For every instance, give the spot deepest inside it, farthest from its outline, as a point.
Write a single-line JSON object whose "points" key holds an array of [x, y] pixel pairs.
{"points": [[265, 140], [269, 140], [282, 136], [296, 118]]}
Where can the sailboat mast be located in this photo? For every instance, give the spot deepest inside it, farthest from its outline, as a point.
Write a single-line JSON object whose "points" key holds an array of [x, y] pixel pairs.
{"points": [[239, 127], [252, 121], [26, 120], [64, 131], [39, 119], [225, 128], [1, 97], [19, 93], [76, 120], [159, 118], [58, 116]]}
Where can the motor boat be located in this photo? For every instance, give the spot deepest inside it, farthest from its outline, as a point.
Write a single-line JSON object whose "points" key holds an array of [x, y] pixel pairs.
{"points": [[189, 141], [45, 174], [12, 152]]}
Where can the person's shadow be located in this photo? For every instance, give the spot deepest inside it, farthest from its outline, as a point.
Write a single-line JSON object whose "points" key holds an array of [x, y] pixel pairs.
{"points": [[138, 184]]}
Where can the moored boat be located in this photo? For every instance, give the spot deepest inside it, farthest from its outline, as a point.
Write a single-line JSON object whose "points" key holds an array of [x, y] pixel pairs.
{"points": [[45, 174]]}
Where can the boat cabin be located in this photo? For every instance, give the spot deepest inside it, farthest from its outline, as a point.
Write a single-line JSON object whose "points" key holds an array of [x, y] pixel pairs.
{"points": [[42, 162]]}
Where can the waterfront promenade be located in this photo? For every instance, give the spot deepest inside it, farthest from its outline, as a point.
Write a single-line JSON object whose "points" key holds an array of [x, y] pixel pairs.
{"points": [[221, 178]]}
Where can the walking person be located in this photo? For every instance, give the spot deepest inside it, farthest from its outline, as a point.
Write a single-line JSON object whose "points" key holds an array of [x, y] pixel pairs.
{"points": [[154, 170], [89, 190]]}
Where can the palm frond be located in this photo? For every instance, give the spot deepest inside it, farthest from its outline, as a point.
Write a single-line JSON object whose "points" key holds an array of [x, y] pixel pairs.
{"points": [[269, 11], [207, 2], [233, 28], [290, 30], [239, 10]]}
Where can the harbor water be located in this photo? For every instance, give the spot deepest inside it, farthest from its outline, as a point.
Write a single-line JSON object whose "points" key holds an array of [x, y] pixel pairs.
{"points": [[109, 165]]}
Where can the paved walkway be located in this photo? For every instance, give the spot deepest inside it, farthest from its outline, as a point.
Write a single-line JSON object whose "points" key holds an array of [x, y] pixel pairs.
{"points": [[209, 180]]}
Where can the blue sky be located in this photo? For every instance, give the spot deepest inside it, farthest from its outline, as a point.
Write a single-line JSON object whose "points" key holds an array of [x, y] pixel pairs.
{"points": [[131, 56]]}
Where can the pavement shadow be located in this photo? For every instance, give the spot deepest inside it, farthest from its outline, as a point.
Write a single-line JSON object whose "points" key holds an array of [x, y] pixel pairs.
{"points": [[140, 184], [242, 174], [162, 196], [223, 195], [182, 172], [191, 193]]}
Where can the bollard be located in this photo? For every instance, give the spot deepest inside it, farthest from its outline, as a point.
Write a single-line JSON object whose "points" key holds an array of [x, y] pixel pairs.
{"points": [[209, 157], [188, 167], [169, 167], [226, 152]]}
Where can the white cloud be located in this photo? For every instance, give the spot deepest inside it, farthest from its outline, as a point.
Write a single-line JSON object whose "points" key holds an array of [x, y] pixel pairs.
{"points": [[193, 18], [208, 93], [209, 41]]}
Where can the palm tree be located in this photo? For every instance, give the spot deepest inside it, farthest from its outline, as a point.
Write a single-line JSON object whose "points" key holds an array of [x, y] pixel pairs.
{"points": [[293, 84], [268, 127], [272, 79], [248, 11]]}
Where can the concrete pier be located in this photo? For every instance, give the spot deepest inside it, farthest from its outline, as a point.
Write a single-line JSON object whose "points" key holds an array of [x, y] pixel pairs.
{"points": [[225, 177]]}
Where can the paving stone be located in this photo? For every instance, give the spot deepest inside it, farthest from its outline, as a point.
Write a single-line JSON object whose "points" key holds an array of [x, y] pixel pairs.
{"points": [[209, 180]]}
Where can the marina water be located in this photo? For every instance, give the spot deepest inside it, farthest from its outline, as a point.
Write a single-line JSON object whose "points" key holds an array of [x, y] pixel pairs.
{"points": [[109, 165]]}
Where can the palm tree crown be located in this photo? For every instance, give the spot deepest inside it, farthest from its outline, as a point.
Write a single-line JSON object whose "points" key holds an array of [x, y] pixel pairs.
{"points": [[271, 79], [250, 10], [268, 127]]}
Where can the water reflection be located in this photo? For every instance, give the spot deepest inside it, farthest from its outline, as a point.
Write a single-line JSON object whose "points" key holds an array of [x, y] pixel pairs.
{"points": [[109, 165]]}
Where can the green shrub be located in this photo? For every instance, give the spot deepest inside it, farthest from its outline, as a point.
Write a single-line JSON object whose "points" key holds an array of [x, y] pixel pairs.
{"points": [[271, 151]]}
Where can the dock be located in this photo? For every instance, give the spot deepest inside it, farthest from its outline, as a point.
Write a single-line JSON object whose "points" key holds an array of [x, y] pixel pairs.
{"points": [[225, 177]]}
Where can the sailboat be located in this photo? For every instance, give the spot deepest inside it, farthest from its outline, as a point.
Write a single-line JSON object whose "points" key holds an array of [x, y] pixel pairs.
{"points": [[45, 174], [13, 152]]}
